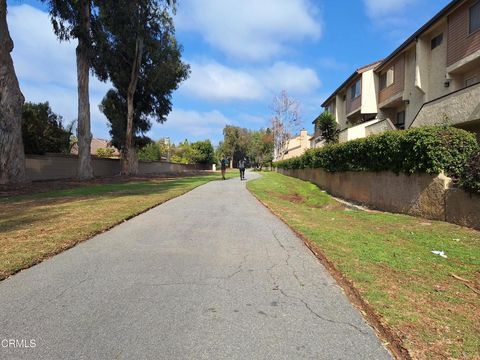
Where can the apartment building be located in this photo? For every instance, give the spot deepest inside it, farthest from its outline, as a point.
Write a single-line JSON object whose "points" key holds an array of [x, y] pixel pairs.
{"points": [[432, 78], [295, 146], [353, 104]]}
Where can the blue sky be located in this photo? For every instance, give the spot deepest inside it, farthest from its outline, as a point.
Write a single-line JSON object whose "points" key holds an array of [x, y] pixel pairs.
{"points": [[242, 54]]}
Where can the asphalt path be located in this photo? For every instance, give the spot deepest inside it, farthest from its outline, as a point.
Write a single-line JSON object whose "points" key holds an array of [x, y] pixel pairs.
{"points": [[209, 275]]}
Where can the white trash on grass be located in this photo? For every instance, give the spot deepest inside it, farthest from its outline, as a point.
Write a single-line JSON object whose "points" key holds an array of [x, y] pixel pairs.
{"points": [[439, 253]]}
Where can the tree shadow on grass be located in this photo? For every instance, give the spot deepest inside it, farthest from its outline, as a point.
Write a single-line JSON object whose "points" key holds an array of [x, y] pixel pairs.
{"points": [[23, 211]]}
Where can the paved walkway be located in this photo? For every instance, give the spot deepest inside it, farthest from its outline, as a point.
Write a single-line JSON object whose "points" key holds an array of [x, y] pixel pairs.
{"points": [[209, 275]]}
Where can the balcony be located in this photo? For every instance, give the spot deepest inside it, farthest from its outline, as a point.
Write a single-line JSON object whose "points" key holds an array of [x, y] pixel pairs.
{"points": [[380, 127], [356, 132], [460, 108]]}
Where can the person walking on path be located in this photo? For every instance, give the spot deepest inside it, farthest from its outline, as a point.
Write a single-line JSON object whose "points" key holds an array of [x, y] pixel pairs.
{"points": [[223, 167], [241, 166]]}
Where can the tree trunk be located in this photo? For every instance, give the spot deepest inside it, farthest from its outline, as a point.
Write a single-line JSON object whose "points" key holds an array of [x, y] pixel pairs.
{"points": [[12, 156], [130, 160], [85, 170]]}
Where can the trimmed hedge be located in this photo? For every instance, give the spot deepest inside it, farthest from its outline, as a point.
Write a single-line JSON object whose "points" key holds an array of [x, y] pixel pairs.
{"points": [[430, 149]]}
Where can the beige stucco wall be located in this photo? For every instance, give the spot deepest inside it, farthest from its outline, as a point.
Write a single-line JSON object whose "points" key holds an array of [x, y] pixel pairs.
{"points": [[437, 66], [297, 145], [422, 195], [412, 93], [431, 64], [369, 93], [58, 167], [340, 109]]}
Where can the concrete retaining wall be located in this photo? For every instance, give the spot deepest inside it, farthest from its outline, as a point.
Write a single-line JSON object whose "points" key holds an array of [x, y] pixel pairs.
{"points": [[58, 167], [422, 195], [463, 208]]}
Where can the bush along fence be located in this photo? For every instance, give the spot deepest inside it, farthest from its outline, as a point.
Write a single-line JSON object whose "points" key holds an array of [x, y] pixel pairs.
{"points": [[401, 171]]}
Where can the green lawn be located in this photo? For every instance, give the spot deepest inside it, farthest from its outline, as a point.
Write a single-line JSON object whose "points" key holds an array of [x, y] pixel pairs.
{"points": [[34, 227], [388, 259]]}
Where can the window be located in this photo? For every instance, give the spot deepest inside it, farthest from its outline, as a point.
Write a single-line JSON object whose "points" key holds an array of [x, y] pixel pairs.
{"points": [[356, 89], [387, 79], [401, 120], [475, 17], [437, 41]]}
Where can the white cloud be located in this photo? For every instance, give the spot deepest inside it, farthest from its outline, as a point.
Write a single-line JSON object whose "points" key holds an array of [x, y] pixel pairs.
{"points": [[379, 8], [250, 29], [47, 69], [213, 81], [294, 79]]}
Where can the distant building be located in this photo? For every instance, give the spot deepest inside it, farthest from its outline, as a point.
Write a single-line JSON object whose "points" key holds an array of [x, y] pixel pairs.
{"points": [[97, 144], [296, 146]]}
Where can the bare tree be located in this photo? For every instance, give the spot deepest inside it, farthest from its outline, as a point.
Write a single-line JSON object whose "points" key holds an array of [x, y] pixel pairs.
{"points": [[286, 121], [12, 156]]}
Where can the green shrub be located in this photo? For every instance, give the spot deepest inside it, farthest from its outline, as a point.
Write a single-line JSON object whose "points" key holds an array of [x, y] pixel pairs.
{"points": [[150, 152], [43, 130], [470, 176], [105, 152], [430, 149]]}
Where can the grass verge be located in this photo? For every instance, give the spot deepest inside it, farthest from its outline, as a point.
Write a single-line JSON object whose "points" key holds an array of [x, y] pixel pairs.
{"points": [[429, 303], [37, 226]]}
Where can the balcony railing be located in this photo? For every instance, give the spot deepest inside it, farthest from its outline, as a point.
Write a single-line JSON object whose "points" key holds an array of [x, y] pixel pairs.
{"points": [[356, 132], [461, 106]]}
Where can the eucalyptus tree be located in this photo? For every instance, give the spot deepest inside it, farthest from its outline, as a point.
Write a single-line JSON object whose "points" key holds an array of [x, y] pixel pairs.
{"points": [[142, 59], [75, 19], [12, 157]]}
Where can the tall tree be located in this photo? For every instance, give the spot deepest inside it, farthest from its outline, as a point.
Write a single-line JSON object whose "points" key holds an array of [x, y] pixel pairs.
{"points": [[236, 141], [142, 59], [72, 19], [260, 147], [204, 152], [286, 120], [12, 157], [114, 108]]}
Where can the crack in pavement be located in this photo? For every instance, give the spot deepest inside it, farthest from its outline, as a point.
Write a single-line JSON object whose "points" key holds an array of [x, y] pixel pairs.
{"points": [[287, 259], [237, 271], [307, 306]]}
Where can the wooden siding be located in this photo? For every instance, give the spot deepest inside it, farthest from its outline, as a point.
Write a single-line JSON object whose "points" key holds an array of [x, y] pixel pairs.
{"points": [[356, 103], [398, 79], [460, 42]]}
